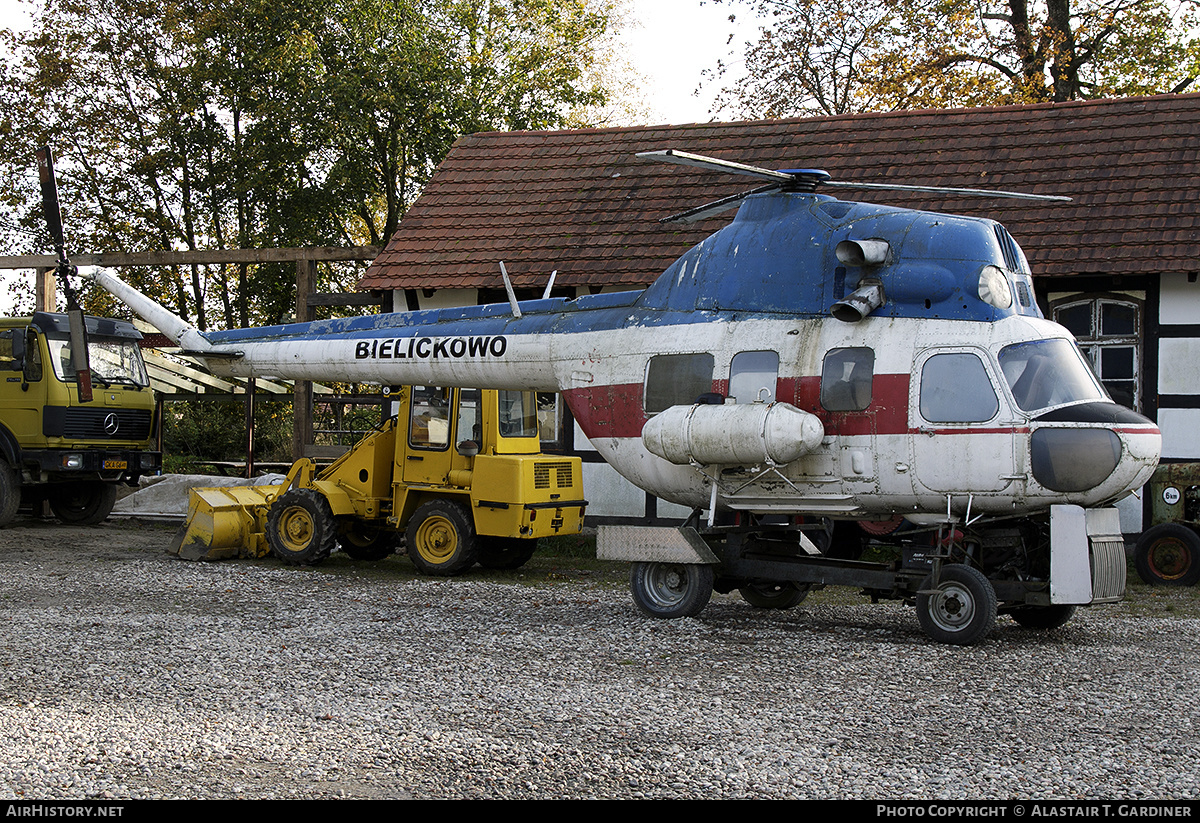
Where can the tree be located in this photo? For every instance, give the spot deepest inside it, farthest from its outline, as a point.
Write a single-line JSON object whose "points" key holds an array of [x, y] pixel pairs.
{"points": [[189, 124], [839, 56]]}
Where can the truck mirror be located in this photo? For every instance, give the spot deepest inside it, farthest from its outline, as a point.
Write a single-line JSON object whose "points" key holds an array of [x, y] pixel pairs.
{"points": [[467, 448]]}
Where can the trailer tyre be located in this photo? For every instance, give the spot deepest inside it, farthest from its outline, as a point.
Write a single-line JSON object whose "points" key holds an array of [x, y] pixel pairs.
{"points": [[362, 542], [506, 553], [1043, 618], [10, 493], [670, 590], [768, 594], [83, 503], [301, 530], [960, 609], [1168, 555], [441, 539]]}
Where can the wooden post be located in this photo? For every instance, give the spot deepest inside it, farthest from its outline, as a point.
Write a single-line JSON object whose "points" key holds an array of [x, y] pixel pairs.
{"points": [[251, 387], [45, 296], [306, 278]]}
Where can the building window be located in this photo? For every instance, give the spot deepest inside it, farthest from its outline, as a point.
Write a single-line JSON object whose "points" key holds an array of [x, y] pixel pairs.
{"points": [[1108, 329]]}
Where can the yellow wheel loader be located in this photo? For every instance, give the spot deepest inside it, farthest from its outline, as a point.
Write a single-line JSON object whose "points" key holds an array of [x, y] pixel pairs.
{"points": [[457, 476]]}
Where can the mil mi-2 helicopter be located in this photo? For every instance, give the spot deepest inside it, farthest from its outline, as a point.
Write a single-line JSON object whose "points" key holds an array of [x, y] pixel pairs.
{"points": [[815, 375]]}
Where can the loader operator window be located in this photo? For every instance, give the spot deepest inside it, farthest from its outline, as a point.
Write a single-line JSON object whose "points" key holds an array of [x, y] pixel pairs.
{"points": [[846, 378], [677, 380], [518, 414], [429, 421], [955, 388]]}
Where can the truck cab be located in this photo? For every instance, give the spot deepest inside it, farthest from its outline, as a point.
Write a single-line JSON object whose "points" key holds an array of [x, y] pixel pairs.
{"points": [[55, 448]]}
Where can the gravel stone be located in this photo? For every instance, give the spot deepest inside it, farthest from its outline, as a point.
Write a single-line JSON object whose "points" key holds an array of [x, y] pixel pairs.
{"points": [[129, 674]]}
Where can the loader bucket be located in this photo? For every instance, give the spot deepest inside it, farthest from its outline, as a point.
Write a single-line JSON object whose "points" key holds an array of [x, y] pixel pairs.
{"points": [[224, 522]]}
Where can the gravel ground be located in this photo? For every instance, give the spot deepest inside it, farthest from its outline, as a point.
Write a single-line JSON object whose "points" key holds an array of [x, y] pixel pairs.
{"points": [[127, 674]]}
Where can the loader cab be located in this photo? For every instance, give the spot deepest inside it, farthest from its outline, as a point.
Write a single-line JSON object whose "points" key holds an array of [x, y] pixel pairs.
{"points": [[448, 427]]}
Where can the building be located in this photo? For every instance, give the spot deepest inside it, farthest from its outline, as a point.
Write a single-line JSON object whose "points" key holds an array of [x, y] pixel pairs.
{"points": [[1119, 265]]}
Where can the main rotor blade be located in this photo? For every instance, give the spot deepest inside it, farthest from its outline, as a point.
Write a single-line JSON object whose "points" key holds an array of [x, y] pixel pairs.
{"points": [[715, 207], [45, 161], [683, 158], [949, 190]]}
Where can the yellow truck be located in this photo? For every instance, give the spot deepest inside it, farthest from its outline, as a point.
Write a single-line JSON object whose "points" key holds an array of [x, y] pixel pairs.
{"points": [[55, 448], [457, 474]]}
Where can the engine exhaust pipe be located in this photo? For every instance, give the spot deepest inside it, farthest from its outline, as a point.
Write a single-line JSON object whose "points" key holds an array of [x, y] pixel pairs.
{"points": [[864, 300]]}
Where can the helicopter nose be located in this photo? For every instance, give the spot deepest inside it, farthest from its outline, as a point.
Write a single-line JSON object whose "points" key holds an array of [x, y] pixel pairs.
{"points": [[1099, 450]]}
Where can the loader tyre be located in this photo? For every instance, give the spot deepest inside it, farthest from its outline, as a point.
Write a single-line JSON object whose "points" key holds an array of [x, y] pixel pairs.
{"points": [[83, 502], [363, 542], [506, 552], [440, 539], [10, 493], [301, 530]]}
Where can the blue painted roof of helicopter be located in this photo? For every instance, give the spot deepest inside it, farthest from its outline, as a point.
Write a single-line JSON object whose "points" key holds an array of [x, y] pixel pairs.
{"points": [[776, 257]]}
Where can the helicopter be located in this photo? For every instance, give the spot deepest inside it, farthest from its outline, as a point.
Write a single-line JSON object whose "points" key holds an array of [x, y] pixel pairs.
{"points": [[819, 381]]}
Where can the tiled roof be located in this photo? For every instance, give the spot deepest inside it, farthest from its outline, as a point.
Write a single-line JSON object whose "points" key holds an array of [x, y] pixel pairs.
{"points": [[580, 202]]}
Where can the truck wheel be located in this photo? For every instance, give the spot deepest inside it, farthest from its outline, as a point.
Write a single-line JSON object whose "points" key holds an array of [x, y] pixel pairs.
{"points": [[83, 503], [362, 542], [440, 539], [301, 530], [766, 594], [506, 552], [960, 609], [1043, 618], [1168, 555], [670, 590], [10, 493]]}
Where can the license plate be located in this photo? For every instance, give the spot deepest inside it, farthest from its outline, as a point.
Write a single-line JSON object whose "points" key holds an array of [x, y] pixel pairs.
{"points": [[116, 464]]}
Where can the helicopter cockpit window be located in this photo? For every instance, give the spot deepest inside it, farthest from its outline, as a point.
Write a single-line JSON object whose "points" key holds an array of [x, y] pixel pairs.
{"points": [[429, 421], [1045, 373], [677, 380], [846, 377], [955, 388]]}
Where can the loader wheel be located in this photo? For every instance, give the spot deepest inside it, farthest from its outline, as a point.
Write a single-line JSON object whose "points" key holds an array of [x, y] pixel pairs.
{"points": [[441, 539], [83, 503], [300, 528], [10, 493], [506, 552], [362, 542]]}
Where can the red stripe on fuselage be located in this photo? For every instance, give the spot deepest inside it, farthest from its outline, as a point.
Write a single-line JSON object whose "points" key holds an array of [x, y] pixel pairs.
{"points": [[617, 411]]}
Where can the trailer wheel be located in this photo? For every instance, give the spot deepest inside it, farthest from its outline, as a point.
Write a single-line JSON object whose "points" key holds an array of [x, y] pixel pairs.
{"points": [[83, 502], [766, 594], [10, 493], [362, 542], [1043, 618], [1168, 555], [441, 539], [960, 609], [670, 590], [506, 552], [301, 530]]}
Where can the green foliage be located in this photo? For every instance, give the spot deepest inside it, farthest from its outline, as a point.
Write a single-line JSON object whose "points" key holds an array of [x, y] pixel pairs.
{"points": [[818, 57], [210, 124], [199, 430]]}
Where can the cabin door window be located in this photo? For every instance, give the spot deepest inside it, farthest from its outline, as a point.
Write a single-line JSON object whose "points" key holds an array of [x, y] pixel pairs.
{"points": [[963, 441]]}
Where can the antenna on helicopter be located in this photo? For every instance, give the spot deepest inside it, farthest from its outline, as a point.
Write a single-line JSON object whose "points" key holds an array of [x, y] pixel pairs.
{"points": [[806, 180], [63, 272]]}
